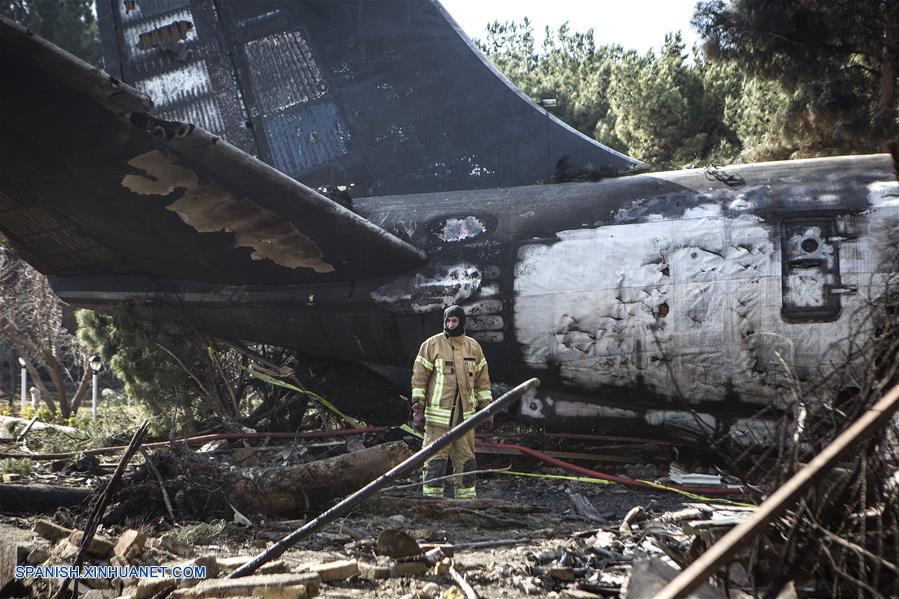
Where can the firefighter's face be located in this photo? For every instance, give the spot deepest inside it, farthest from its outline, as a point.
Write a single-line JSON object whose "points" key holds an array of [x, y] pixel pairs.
{"points": [[452, 322]]}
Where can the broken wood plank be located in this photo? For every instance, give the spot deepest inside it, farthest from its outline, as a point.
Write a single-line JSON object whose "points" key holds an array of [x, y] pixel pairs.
{"points": [[875, 418], [469, 591]]}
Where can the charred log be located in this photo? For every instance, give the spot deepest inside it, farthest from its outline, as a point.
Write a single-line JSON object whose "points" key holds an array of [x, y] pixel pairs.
{"points": [[39, 499], [201, 488]]}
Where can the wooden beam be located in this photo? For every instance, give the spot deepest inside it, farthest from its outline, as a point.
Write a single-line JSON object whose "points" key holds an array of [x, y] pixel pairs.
{"points": [[709, 562]]}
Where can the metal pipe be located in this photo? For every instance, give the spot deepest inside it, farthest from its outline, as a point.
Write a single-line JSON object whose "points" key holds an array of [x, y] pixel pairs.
{"points": [[343, 507]]}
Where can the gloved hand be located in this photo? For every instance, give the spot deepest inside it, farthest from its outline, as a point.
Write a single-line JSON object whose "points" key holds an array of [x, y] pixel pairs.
{"points": [[487, 425], [418, 416]]}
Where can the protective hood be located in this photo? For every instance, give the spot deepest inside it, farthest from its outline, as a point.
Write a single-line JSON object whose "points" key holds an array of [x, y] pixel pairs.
{"points": [[459, 313]]}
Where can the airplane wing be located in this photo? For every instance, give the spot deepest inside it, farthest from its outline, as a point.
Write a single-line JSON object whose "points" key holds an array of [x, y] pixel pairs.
{"points": [[90, 183]]}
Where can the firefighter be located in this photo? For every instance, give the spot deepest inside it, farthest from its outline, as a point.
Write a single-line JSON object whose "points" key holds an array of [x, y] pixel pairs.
{"points": [[450, 383]]}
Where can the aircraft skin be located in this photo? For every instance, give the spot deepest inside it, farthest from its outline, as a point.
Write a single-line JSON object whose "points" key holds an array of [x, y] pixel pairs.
{"points": [[631, 297], [626, 297]]}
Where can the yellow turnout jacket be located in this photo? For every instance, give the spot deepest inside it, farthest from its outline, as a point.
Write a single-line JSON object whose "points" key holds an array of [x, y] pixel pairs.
{"points": [[444, 366]]}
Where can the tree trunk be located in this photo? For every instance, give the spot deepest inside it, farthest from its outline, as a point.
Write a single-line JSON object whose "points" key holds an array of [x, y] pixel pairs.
{"points": [[291, 491], [55, 369], [39, 499], [83, 388], [886, 105], [11, 332], [202, 489]]}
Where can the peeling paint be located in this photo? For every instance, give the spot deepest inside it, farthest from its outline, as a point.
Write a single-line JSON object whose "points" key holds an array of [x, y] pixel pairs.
{"points": [[431, 289], [461, 229], [209, 208], [883, 194], [609, 306]]}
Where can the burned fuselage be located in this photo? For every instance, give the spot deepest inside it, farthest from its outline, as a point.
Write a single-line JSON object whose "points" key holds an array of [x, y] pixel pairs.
{"points": [[631, 298]]}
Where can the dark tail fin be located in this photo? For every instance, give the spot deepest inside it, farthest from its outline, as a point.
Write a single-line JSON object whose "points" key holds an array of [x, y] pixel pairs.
{"points": [[390, 97]]}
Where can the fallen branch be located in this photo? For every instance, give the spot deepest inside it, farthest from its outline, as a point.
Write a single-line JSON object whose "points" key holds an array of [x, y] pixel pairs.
{"points": [[165, 494], [198, 440], [100, 506]]}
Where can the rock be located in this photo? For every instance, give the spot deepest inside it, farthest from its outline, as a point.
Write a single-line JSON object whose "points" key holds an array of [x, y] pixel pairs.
{"points": [[443, 567], [100, 594], [209, 563], [269, 586], [526, 586], [397, 520], [170, 543], [51, 531], [373, 571], [431, 590], [226, 564], [150, 587], [38, 555], [100, 546], [274, 567], [339, 570], [452, 593], [393, 542], [130, 543], [408, 568], [563, 573]]}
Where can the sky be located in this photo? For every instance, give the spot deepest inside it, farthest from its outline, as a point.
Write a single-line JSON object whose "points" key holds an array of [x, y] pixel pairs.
{"points": [[637, 24]]}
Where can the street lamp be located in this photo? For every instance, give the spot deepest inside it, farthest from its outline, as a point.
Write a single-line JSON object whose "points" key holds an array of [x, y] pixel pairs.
{"points": [[96, 366], [24, 388]]}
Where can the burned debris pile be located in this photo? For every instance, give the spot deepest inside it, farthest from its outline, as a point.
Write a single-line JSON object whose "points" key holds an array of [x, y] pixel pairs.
{"points": [[542, 525]]}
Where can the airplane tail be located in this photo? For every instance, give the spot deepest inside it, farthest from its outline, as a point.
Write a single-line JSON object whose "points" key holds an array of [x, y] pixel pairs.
{"points": [[383, 97]]}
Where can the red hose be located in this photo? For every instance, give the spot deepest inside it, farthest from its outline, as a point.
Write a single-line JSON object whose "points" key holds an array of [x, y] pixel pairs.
{"points": [[609, 477]]}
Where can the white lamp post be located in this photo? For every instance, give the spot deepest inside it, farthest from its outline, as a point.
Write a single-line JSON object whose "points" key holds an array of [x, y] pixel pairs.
{"points": [[24, 388], [96, 365]]}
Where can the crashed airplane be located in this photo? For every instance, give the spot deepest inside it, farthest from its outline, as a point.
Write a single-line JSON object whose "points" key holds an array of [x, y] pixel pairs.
{"points": [[199, 184]]}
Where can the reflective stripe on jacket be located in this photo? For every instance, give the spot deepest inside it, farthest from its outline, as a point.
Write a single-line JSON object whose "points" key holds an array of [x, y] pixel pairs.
{"points": [[445, 364]]}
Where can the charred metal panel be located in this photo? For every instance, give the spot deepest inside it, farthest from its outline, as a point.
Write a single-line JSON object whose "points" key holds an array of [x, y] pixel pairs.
{"points": [[387, 97], [169, 50], [86, 182]]}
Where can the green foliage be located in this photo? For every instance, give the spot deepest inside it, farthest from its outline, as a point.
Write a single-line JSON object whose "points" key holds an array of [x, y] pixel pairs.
{"points": [[569, 68], [13, 466], [835, 64], [666, 112], [135, 351], [70, 24], [746, 95]]}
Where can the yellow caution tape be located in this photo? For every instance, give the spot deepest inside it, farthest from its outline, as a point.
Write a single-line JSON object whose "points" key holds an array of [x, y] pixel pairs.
{"points": [[599, 481], [408, 429], [697, 497], [580, 479]]}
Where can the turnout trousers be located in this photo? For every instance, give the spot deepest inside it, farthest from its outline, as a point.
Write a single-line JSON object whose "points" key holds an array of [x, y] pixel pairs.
{"points": [[460, 453]]}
